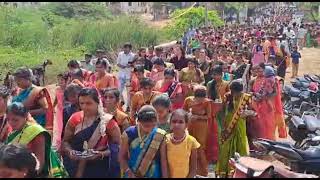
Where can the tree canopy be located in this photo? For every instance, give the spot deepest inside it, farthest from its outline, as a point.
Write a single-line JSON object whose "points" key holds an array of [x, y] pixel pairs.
{"points": [[182, 19]]}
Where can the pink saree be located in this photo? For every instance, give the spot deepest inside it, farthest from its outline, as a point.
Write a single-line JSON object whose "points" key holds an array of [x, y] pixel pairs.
{"points": [[58, 126], [264, 125]]}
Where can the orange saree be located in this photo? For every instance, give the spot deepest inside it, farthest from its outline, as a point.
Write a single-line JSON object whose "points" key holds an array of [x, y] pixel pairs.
{"points": [[199, 130], [138, 101]]}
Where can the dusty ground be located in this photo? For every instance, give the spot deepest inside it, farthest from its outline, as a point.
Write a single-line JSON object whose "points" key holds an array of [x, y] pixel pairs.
{"points": [[147, 18], [310, 62]]}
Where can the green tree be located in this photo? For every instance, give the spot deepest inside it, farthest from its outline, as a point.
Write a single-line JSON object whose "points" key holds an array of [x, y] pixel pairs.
{"points": [[182, 19], [235, 7], [312, 10], [95, 10]]}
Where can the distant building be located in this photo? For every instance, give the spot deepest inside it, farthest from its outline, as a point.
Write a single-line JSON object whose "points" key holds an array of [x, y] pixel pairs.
{"points": [[130, 7], [19, 4]]}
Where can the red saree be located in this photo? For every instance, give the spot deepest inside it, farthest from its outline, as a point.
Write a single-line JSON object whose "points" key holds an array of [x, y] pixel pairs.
{"points": [[174, 91], [213, 143], [264, 125], [278, 115]]}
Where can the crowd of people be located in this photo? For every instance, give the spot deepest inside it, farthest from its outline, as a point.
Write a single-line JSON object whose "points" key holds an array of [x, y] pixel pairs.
{"points": [[159, 112]]}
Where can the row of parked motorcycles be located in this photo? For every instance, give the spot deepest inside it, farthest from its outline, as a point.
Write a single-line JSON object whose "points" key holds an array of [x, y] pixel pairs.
{"points": [[302, 114]]}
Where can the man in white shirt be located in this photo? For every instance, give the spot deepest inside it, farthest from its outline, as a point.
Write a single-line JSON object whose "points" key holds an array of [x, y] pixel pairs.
{"points": [[124, 61], [301, 36], [290, 33]]}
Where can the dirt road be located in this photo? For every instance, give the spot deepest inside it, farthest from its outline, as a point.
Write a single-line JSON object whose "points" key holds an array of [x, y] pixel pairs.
{"points": [[310, 62]]}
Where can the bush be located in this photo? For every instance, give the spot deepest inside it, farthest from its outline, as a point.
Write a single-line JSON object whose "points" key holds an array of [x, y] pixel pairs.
{"points": [[42, 30], [11, 59], [59, 31], [111, 35]]}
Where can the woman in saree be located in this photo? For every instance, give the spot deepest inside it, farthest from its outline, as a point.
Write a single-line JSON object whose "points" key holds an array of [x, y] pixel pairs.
{"points": [[36, 99], [111, 100], [263, 89], [59, 103], [156, 73], [5, 128], [137, 75], [217, 88], [73, 65], [200, 108], [278, 111], [141, 98], [257, 52], [281, 61], [233, 137], [30, 134], [77, 77], [172, 87], [101, 78], [308, 38], [91, 129], [190, 76], [137, 158]]}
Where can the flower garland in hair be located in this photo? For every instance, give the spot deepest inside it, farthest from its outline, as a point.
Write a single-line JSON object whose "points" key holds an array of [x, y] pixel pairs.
{"points": [[104, 119]]}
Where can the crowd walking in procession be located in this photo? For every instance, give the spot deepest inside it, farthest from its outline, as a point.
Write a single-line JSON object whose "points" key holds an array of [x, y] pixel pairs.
{"points": [[156, 112]]}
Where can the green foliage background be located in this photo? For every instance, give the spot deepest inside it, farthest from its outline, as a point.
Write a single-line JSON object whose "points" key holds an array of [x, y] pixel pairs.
{"points": [[185, 18], [65, 30]]}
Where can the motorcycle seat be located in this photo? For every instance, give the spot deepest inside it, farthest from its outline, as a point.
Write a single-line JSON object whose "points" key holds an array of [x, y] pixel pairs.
{"points": [[254, 167], [271, 142], [305, 84], [294, 92], [314, 78], [301, 79], [312, 123], [298, 122], [311, 153], [296, 111]]}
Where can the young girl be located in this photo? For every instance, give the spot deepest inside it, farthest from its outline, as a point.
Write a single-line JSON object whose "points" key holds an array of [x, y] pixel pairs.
{"points": [[59, 102], [162, 104], [181, 147], [200, 108], [111, 100]]}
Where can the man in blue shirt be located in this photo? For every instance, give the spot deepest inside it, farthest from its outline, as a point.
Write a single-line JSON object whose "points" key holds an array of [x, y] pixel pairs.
{"points": [[295, 56]]}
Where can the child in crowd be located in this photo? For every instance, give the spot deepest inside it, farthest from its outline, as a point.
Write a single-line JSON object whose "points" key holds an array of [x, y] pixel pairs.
{"points": [[295, 56], [181, 147], [162, 104]]}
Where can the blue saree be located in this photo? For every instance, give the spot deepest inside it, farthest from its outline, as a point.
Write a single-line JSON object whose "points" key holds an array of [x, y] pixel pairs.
{"points": [[137, 151], [100, 168], [23, 96]]}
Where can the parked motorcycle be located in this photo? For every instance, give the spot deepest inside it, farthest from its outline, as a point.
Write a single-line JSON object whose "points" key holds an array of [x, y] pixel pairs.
{"points": [[305, 160], [304, 123], [248, 167]]}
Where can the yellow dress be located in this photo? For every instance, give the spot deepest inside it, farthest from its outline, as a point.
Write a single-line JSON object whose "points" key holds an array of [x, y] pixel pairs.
{"points": [[179, 156]]}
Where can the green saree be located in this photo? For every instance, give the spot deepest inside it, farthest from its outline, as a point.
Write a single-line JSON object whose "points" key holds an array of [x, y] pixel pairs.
{"points": [[53, 167], [308, 40], [233, 137]]}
